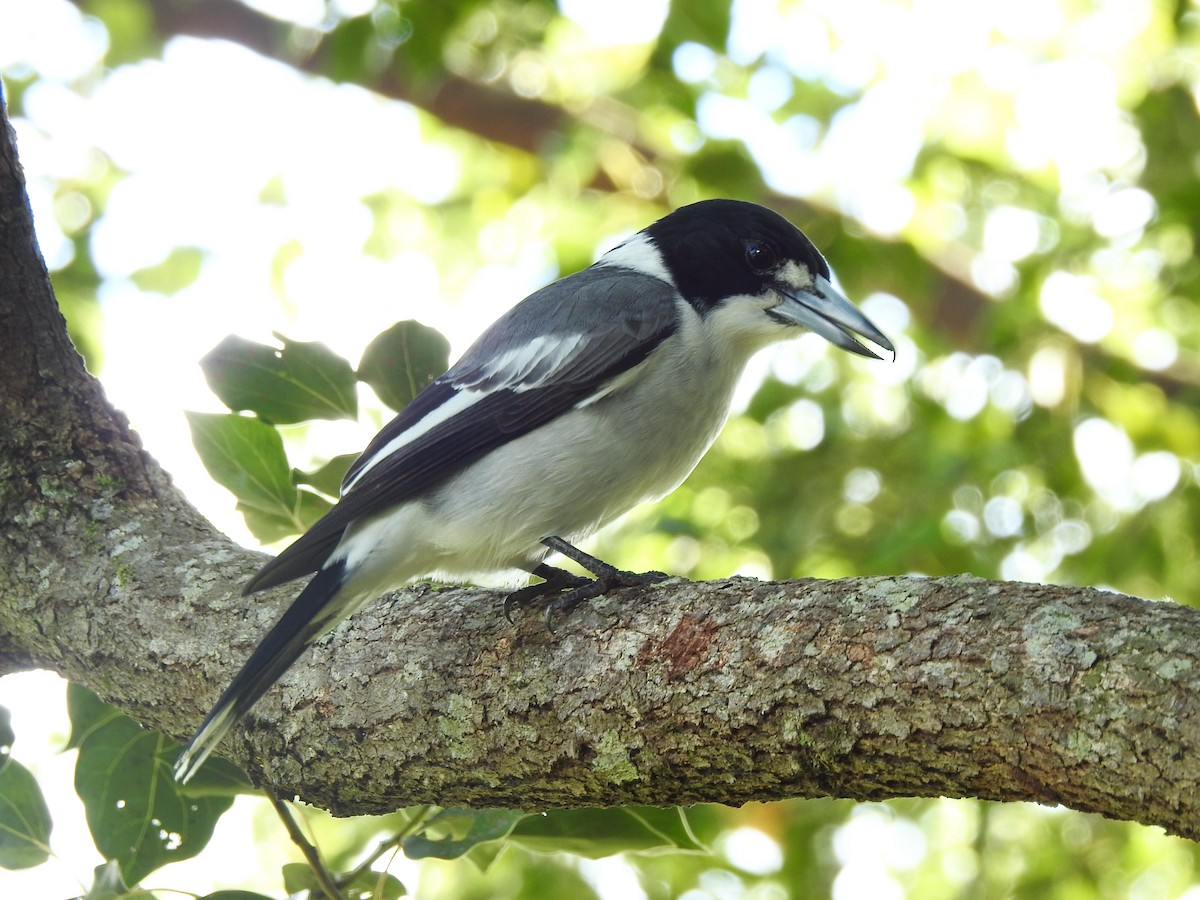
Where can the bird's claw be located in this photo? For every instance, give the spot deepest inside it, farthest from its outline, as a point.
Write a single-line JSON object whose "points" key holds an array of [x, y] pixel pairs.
{"points": [[527, 596], [568, 593]]}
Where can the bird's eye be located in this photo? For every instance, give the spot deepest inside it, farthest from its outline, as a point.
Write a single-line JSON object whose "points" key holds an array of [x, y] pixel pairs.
{"points": [[760, 256]]}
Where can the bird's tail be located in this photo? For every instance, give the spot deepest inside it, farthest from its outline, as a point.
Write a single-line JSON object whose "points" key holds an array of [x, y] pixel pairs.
{"points": [[311, 614]]}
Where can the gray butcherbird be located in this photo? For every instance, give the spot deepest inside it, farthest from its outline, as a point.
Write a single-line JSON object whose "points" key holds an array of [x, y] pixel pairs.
{"points": [[597, 392]]}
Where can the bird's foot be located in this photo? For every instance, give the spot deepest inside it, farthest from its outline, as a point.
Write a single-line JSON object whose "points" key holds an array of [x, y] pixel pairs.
{"points": [[557, 582], [567, 591], [566, 601]]}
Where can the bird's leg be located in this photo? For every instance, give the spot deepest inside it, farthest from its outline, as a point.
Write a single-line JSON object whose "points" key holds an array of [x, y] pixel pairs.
{"points": [[571, 590], [556, 581], [607, 578]]}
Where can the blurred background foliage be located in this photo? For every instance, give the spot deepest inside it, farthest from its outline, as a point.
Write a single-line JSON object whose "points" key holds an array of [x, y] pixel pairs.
{"points": [[1009, 189]]}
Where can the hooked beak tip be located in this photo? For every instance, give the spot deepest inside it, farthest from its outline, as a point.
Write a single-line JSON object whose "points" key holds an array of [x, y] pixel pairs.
{"points": [[824, 310]]}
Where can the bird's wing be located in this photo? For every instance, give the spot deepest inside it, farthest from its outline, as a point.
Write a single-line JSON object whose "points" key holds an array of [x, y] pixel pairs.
{"points": [[592, 327]]}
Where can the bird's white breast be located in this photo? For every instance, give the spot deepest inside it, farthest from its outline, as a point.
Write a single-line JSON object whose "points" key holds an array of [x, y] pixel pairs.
{"points": [[637, 442]]}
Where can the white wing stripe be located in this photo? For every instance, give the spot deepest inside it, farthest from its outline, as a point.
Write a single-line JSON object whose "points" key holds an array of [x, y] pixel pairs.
{"points": [[464, 399], [514, 366], [512, 369]]}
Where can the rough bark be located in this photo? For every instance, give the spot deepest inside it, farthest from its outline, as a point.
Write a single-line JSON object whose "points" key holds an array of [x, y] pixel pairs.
{"points": [[725, 691]]}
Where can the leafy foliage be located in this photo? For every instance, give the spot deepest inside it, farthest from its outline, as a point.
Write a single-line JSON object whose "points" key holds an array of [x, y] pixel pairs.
{"points": [[180, 269], [139, 817], [462, 830], [327, 478], [24, 819], [107, 882], [596, 833], [304, 380], [246, 456], [401, 362], [298, 877]]}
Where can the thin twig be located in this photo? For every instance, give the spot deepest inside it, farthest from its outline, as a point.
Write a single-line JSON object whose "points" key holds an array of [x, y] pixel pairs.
{"points": [[324, 877], [418, 821]]}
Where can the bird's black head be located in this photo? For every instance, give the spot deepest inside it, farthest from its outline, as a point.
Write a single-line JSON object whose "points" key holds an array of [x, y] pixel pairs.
{"points": [[752, 270], [716, 249]]}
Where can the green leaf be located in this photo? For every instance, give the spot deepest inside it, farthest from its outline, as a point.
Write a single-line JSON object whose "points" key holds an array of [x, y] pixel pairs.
{"points": [[348, 49], [271, 527], [376, 886], [137, 814], [235, 895], [718, 161], [180, 269], [462, 829], [483, 856], [24, 819], [595, 833], [107, 882], [299, 877], [130, 28], [218, 777], [6, 737], [328, 478], [246, 456], [274, 192], [300, 381], [402, 360], [425, 29], [704, 23]]}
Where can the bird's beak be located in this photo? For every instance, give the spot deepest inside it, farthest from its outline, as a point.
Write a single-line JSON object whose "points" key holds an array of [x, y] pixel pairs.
{"points": [[821, 308]]}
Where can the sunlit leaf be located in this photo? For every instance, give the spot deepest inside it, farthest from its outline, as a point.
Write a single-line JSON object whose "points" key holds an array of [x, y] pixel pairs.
{"points": [[348, 48], [269, 527], [295, 383], [299, 877], [107, 882], [457, 831], [402, 360], [425, 28], [702, 23], [218, 777], [328, 478], [180, 269], [483, 856], [246, 456], [602, 832], [24, 819], [370, 885], [130, 29], [137, 814]]}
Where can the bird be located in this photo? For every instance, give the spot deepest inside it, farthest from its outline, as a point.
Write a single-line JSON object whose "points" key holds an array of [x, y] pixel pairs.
{"points": [[592, 395]]}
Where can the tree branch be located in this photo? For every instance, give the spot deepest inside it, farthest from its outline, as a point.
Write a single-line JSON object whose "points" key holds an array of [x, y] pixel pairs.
{"points": [[725, 691]]}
